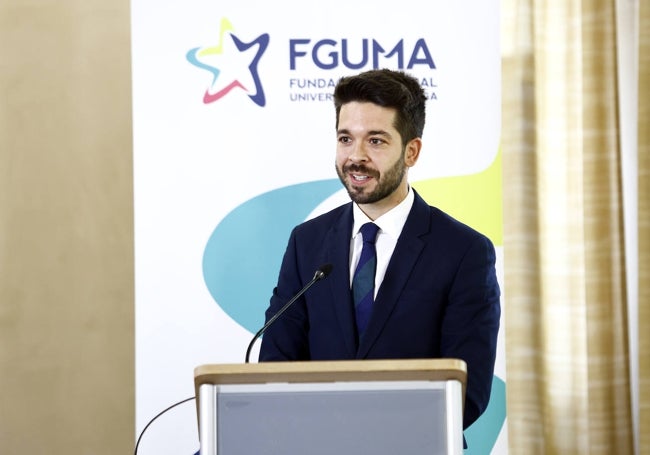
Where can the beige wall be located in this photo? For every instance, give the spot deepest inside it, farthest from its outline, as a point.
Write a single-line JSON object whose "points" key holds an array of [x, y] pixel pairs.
{"points": [[66, 228]]}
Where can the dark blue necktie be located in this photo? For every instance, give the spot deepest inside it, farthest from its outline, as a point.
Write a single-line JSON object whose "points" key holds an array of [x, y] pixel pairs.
{"points": [[363, 283]]}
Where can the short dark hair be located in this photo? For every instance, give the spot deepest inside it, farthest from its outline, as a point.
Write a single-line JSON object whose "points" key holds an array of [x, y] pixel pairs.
{"points": [[386, 88]]}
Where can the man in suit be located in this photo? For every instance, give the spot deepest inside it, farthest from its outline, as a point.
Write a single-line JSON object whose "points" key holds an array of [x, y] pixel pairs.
{"points": [[435, 292]]}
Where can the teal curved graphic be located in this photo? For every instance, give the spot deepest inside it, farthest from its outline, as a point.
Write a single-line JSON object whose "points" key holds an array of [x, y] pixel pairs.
{"points": [[243, 255], [482, 434]]}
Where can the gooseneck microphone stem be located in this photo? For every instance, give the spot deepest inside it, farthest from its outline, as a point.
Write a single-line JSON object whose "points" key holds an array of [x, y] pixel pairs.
{"points": [[321, 273]]}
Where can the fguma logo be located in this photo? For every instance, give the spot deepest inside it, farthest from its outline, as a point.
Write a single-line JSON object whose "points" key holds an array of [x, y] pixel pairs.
{"points": [[314, 65], [232, 63]]}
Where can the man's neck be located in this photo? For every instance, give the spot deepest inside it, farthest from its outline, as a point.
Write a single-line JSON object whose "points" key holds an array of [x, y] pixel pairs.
{"points": [[377, 209]]}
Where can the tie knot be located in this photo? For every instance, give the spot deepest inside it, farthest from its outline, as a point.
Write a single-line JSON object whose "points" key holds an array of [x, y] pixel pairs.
{"points": [[369, 232]]}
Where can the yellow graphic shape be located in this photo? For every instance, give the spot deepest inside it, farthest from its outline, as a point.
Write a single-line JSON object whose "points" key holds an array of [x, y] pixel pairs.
{"points": [[224, 28], [474, 199]]}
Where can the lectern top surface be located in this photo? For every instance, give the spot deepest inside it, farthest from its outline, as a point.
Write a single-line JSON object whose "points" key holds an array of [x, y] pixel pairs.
{"points": [[323, 371]]}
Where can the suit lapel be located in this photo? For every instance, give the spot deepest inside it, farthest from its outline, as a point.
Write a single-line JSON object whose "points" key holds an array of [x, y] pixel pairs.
{"points": [[338, 246], [407, 250]]}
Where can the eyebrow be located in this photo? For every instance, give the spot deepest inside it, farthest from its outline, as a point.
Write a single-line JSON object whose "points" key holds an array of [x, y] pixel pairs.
{"points": [[370, 133]]}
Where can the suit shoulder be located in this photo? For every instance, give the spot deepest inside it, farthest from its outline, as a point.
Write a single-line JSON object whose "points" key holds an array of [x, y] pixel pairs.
{"points": [[441, 220]]}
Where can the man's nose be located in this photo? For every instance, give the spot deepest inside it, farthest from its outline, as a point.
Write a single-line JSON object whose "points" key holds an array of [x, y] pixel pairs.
{"points": [[358, 154]]}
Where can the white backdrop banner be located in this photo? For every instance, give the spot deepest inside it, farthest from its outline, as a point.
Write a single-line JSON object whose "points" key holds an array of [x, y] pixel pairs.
{"points": [[234, 129]]}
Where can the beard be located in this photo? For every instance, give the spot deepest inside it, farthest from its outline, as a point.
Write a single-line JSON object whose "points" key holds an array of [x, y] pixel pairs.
{"points": [[386, 183]]}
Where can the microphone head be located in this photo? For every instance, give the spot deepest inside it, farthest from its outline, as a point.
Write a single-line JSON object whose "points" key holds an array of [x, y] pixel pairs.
{"points": [[323, 271]]}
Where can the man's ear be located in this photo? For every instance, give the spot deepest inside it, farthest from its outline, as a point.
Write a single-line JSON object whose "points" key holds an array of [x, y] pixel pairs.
{"points": [[412, 152]]}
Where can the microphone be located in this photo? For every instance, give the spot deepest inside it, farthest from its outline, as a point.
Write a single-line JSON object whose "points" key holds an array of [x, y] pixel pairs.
{"points": [[321, 273]]}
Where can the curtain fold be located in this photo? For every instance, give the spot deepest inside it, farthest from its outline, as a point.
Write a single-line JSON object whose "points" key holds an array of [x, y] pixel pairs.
{"points": [[566, 321], [644, 226], [521, 232], [609, 398]]}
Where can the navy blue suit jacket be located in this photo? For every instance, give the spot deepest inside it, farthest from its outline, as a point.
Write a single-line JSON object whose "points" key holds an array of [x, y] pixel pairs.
{"points": [[439, 298]]}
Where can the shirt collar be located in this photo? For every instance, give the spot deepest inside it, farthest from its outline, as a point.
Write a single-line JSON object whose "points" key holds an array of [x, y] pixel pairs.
{"points": [[391, 222]]}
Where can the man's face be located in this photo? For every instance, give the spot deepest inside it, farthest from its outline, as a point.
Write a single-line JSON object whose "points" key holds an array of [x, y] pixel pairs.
{"points": [[370, 159]]}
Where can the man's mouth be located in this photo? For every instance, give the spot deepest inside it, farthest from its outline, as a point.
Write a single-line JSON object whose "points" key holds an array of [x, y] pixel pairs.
{"points": [[359, 177], [360, 174]]}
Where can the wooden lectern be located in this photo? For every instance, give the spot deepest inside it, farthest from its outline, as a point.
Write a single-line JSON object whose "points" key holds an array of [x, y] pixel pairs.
{"points": [[331, 407]]}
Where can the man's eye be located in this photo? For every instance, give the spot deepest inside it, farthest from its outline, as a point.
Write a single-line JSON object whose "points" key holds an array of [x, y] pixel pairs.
{"points": [[344, 139], [376, 141]]}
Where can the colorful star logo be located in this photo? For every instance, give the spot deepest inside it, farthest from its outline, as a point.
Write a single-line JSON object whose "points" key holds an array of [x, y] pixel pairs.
{"points": [[232, 63]]}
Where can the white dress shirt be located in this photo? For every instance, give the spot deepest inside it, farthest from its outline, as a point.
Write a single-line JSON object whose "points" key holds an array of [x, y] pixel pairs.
{"points": [[390, 225]]}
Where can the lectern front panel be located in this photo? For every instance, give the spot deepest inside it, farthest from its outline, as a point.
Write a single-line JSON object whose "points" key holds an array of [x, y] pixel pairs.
{"points": [[332, 418]]}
